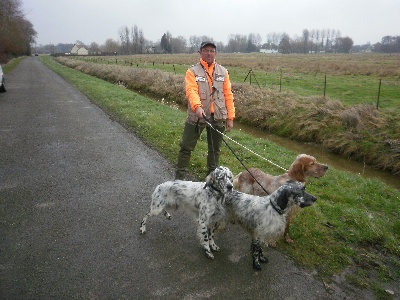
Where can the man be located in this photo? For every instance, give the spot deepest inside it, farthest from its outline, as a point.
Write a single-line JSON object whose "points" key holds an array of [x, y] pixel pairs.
{"points": [[209, 94]]}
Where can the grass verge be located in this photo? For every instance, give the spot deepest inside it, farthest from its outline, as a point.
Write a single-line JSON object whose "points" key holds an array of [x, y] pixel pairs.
{"points": [[7, 68], [353, 230]]}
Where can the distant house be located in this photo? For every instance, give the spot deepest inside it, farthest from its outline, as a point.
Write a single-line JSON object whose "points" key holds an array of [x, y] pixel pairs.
{"points": [[269, 51], [79, 50]]}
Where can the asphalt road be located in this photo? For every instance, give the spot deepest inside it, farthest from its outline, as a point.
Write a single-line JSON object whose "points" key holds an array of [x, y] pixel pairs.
{"points": [[74, 186]]}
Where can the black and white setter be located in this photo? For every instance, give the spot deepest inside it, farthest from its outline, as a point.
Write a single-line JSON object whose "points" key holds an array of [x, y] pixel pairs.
{"points": [[205, 200]]}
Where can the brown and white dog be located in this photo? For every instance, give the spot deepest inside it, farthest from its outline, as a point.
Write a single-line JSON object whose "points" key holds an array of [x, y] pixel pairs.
{"points": [[303, 166]]}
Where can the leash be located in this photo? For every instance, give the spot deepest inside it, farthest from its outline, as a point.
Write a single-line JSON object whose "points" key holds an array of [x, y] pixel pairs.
{"points": [[280, 211], [212, 141], [237, 143]]}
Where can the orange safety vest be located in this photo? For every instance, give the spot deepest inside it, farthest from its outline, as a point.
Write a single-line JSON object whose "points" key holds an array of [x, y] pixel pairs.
{"points": [[210, 88]]}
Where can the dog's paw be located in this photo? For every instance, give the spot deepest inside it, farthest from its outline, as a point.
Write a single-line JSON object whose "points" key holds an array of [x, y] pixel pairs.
{"points": [[142, 230], [289, 240], [209, 255], [256, 266], [214, 247], [167, 215], [263, 258]]}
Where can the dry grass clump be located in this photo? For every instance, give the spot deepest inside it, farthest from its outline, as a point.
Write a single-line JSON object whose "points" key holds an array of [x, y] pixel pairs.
{"points": [[359, 131], [362, 117], [154, 82], [256, 106]]}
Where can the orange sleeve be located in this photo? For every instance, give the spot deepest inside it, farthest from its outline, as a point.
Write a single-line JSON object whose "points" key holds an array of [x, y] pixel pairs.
{"points": [[192, 90], [229, 102]]}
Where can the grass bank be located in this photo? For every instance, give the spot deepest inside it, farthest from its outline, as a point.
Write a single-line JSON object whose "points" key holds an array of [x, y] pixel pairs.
{"points": [[7, 68], [352, 233]]}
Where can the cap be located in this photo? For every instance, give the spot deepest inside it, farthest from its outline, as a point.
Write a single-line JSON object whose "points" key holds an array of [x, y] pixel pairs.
{"points": [[207, 43]]}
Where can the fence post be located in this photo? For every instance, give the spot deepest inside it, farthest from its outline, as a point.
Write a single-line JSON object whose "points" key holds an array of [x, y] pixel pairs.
{"points": [[379, 93], [280, 82], [325, 87]]}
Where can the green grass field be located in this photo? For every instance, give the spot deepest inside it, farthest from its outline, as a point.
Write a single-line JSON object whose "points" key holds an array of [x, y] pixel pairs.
{"points": [[351, 79], [353, 230]]}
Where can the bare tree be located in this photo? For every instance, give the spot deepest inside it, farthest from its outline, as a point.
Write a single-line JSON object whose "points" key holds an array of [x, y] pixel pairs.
{"points": [[94, 48], [194, 43], [253, 42], [312, 36], [16, 33], [328, 38], [79, 42], [285, 45], [306, 40], [137, 40], [323, 35], [317, 35], [237, 43], [178, 45], [343, 45], [110, 46], [166, 42], [124, 35]]}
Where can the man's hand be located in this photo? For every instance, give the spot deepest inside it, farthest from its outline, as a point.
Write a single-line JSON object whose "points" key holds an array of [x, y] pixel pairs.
{"points": [[229, 125], [200, 112]]}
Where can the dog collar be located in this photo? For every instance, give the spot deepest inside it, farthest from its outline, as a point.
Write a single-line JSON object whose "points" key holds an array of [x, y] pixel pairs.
{"points": [[278, 210], [213, 188]]}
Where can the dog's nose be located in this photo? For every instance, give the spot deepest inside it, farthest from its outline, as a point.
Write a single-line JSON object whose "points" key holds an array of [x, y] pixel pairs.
{"points": [[229, 186]]}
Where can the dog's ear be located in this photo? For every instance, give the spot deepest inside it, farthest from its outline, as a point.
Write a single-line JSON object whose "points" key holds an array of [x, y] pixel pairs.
{"points": [[296, 170], [210, 179], [283, 199], [282, 195]]}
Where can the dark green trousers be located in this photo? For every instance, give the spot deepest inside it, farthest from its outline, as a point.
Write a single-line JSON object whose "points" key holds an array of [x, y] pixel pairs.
{"points": [[190, 136]]}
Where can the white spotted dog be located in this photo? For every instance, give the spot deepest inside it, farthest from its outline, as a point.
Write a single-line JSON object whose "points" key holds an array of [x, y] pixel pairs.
{"points": [[205, 200], [265, 217]]}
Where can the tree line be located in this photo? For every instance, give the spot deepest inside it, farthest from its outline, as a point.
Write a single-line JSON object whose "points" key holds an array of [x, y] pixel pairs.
{"points": [[132, 41], [16, 33], [17, 36], [389, 44]]}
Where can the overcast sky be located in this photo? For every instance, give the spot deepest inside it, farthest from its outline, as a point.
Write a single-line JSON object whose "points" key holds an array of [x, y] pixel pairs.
{"points": [[66, 21]]}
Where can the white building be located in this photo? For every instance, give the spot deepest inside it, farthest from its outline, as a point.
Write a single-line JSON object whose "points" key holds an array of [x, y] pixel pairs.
{"points": [[79, 50], [269, 51]]}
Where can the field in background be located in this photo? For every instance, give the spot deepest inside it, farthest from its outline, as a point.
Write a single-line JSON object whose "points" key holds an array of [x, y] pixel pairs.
{"points": [[350, 78]]}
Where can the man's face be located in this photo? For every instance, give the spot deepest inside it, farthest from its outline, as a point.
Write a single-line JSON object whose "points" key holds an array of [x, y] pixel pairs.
{"points": [[208, 54]]}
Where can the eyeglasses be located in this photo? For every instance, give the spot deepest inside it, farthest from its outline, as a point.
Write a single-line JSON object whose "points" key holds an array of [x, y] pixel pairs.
{"points": [[208, 51]]}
